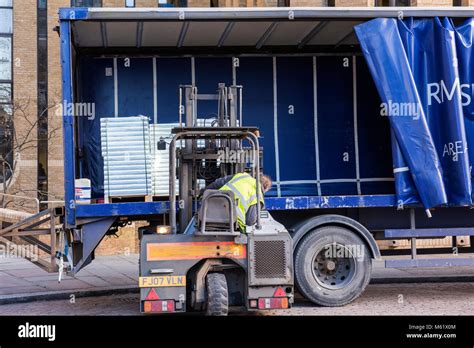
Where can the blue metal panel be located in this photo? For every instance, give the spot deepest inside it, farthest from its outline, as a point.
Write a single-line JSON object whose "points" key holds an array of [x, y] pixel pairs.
{"points": [[336, 124], [92, 234], [377, 187], [135, 87], [419, 263], [171, 72], [326, 202], [271, 203], [375, 160], [209, 72], [68, 125], [258, 106], [95, 86], [122, 209], [429, 232], [296, 125]]}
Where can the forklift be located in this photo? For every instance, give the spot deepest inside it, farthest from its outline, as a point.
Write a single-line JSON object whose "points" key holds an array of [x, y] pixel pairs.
{"points": [[201, 260]]}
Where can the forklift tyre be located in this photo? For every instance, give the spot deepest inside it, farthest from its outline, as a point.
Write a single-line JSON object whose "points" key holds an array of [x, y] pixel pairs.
{"points": [[329, 279], [217, 301]]}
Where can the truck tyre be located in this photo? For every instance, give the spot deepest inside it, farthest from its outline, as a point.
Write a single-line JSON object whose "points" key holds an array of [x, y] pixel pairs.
{"points": [[332, 266], [217, 302]]}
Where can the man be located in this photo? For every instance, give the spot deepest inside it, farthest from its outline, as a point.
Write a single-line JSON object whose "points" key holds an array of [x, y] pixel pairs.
{"points": [[244, 187]]}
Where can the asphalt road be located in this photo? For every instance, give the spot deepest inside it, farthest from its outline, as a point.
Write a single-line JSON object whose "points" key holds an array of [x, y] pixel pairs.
{"points": [[378, 299]]}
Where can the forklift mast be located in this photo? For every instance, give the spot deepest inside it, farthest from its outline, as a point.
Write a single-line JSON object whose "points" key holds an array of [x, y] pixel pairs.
{"points": [[198, 160]]}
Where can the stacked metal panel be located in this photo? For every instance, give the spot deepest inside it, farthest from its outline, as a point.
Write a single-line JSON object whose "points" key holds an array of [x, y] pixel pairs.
{"points": [[161, 159], [125, 143]]}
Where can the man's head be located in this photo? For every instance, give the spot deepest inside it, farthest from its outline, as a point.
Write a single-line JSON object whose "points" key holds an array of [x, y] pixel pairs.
{"points": [[266, 183]]}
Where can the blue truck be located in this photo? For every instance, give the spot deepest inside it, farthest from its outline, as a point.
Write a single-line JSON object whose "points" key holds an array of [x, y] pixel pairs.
{"points": [[363, 119]]}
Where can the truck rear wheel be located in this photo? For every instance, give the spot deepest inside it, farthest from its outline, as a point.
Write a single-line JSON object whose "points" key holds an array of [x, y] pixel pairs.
{"points": [[332, 266], [217, 302]]}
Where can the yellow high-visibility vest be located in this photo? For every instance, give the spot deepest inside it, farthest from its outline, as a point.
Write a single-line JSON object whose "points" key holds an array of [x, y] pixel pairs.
{"points": [[244, 187]]}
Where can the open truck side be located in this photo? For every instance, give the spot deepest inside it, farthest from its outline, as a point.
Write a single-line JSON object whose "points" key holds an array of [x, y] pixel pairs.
{"points": [[329, 156]]}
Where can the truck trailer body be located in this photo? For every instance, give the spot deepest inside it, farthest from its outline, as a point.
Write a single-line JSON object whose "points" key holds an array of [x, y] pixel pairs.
{"points": [[315, 96]]}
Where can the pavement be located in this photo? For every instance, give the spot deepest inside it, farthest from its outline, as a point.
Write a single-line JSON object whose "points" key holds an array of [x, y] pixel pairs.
{"points": [[22, 281], [426, 299]]}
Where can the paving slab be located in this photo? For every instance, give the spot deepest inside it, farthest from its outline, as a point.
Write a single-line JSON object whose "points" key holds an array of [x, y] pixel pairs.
{"points": [[8, 281], [95, 281], [25, 272], [68, 284]]}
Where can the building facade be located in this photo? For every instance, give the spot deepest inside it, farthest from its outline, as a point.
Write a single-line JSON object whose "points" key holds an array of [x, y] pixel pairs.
{"points": [[31, 161]]}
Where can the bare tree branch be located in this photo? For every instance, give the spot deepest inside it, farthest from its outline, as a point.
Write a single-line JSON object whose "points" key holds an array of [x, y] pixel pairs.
{"points": [[20, 128]]}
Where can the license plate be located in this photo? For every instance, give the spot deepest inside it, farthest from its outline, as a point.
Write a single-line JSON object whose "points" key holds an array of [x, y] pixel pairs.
{"points": [[161, 281]]}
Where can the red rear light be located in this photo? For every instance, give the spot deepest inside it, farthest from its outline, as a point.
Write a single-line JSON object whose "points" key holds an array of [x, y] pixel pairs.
{"points": [[273, 303], [170, 306], [158, 306]]}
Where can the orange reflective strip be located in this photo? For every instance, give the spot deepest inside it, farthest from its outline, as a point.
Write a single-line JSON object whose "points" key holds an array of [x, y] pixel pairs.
{"points": [[195, 250]]}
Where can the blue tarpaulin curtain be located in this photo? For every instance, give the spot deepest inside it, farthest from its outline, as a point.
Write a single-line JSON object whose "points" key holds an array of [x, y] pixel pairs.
{"points": [[464, 39], [423, 73]]}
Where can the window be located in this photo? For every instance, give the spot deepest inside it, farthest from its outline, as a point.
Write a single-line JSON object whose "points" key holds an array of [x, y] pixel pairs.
{"points": [[5, 93], [6, 143], [42, 93], [5, 58], [397, 3], [86, 3], [6, 30], [129, 3], [6, 21], [165, 3]]}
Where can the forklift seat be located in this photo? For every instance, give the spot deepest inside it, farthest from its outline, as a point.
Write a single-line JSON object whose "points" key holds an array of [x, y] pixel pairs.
{"points": [[217, 213]]}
